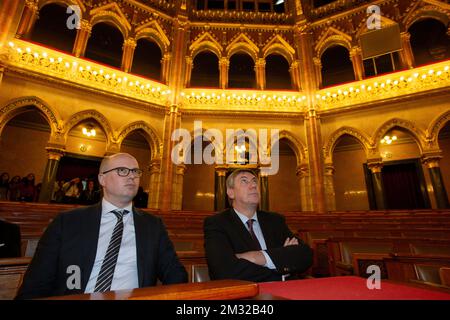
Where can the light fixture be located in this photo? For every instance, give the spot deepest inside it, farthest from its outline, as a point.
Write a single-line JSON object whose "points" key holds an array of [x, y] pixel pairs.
{"points": [[279, 2], [388, 139], [89, 131]]}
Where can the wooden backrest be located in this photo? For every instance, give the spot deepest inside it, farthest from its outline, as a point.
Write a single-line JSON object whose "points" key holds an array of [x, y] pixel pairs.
{"points": [[12, 271], [444, 274]]}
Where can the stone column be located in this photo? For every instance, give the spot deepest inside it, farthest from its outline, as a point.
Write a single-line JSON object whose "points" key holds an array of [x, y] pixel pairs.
{"points": [[260, 71], [83, 34], [406, 54], [49, 178], [294, 70], [264, 187], [127, 54], [330, 194], [165, 64], [358, 66], [7, 22], [318, 71], [29, 16], [305, 187], [432, 163], [177, 193], [220, 189], [377, 182], [224, 65], [188, 74], [153, 196]]}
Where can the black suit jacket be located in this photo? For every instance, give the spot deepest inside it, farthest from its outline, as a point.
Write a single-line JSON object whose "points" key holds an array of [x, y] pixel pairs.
{"points": [[226, 235], [9, 240], [71, 239]]}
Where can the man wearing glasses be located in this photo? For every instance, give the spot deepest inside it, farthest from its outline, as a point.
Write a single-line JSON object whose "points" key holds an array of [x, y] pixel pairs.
{"points": [[108, 246]]}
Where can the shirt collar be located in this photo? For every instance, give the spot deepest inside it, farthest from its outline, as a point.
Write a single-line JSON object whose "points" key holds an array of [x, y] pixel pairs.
{"points": [[244, 218], [108, 207]]}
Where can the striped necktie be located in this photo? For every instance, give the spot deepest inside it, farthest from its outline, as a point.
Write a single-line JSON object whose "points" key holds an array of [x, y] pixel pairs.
{"points": [[105, 276], [252, 233]]}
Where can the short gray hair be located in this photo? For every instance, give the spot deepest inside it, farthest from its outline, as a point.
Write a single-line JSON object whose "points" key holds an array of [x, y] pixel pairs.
{"points": [[232, 177]]}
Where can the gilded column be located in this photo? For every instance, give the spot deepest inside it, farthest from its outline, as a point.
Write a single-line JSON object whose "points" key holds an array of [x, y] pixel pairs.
{"points": [[49, 178], [377, 182], [165, 67], [304, 44], [358, 66], [318, 71], [7, 23], [294, 70], [330, 193], [29, 16], [406, 54], [81, 40], [173, 117], [220, 189], [305, 187], [224, 65], [153, 196], [177, 196], [432, 163], [260, 70], [264, 187], [127, 54], [188, 74]]}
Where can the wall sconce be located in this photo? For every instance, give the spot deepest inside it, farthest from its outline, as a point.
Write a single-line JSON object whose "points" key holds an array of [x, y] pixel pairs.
{"points": [[89, 131]]}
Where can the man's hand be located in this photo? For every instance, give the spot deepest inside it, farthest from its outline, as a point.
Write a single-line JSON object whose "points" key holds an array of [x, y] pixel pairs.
{"points": [[255, 257], [290, 242]]}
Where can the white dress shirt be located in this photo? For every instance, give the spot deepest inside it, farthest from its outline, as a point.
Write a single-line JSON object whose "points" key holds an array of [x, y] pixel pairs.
{"points": [[125, 273], [259, 235]]}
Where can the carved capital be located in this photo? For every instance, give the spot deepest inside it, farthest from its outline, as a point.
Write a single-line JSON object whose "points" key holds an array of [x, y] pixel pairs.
{"points": [[54, 153], [431, 160], [375, 167]]}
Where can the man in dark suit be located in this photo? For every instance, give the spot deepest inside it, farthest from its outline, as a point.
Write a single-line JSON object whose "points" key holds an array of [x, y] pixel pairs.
{"points": [[9, 240], [108, 246], [247, 244]]}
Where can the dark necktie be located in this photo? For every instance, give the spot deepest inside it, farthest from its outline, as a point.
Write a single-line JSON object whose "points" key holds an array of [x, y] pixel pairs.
{"points": [[252, 233], [106, 273]]}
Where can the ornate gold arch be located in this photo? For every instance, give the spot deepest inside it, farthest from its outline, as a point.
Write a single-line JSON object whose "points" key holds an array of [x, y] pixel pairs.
{"points": [[435, 127], [429, 11], [20, 105], [280, 46], [332, 37], [150, 135], [205, 42], [90, 114], [79, 3], [243, 44], [154, 32], [362, 138], [296, 145], [407, 125], [113, 14]]}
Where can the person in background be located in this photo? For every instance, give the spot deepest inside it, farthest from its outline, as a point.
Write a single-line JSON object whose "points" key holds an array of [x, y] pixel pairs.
{"points": [[91, 195], [28, 189], [4, 186], [141, 199], [72, 191], [14, 188], [114, 245]]}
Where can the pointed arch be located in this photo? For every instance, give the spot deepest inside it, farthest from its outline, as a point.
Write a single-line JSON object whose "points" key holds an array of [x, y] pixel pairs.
{"points": [[242, 43], [153, 31], [428, 11], [435, 127], [333, 37], [417, 133], [296, 145], [362, 138], [113, 14], [362, 27], [152, 138], [23, 104], [90, 114], [205, 42], [280, 46], [78, 3]]}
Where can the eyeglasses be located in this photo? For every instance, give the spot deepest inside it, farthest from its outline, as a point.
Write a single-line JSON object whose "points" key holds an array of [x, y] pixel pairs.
{"points": [[124, 172]]}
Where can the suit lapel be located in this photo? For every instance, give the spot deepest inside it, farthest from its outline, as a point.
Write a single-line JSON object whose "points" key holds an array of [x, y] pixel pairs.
{"points": [[243, 231], [141, 239], [91, 230]]}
